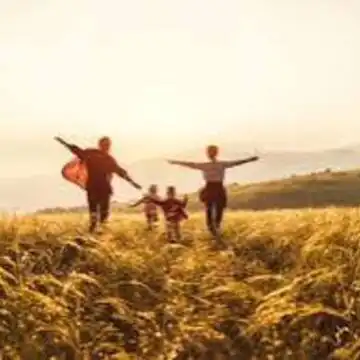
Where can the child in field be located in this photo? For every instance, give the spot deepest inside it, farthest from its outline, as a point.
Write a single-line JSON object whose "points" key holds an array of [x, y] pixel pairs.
{"points": [[150, 208], [174, 211]]}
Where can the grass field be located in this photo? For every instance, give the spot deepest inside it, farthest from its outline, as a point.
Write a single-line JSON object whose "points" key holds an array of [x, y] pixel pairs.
{"points": [[287, 288]]}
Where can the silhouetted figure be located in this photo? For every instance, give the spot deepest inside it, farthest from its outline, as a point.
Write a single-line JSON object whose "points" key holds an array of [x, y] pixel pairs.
{"points": [[213, 195], [150, 208], [100, 166], [174, 211]]}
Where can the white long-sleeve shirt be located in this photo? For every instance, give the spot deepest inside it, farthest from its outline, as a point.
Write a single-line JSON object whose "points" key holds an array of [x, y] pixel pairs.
{"points": [[213, 171]]}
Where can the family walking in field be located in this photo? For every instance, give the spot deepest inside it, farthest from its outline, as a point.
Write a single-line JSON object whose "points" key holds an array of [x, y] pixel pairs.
{"points": [[94, 168]]}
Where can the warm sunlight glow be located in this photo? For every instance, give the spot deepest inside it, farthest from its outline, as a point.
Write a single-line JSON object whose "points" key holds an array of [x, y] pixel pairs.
{"points": [[182, 71], [161, 77]]}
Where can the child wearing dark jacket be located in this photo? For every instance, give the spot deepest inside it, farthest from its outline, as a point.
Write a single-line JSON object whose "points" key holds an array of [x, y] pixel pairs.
{"points": [[174, 212]]}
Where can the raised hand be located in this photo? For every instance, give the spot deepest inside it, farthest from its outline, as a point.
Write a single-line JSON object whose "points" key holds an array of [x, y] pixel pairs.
{"points": [[60, 140], [136, 185]]}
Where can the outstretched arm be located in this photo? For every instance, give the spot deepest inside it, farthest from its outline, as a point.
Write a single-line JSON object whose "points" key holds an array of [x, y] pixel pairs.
{"points": [[230, 164], [157, 201], [137, 203], [188, 164], [73, 148], [124, 175]]}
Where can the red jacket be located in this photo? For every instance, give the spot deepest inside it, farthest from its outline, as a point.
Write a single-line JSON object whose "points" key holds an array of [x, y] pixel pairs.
{"points": [[174, 209]]}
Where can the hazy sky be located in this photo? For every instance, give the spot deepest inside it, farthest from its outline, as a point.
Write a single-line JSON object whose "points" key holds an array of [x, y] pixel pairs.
{"points": [[165, 74]]}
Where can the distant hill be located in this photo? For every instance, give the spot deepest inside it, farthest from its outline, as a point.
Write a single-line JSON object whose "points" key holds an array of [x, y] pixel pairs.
{"points": [[322, 189], [316, 190], [50, 190]]}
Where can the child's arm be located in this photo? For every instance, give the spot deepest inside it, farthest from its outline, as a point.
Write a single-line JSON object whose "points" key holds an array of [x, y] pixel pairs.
{"points": [[183, 204], [157, 201], [137, 203]]}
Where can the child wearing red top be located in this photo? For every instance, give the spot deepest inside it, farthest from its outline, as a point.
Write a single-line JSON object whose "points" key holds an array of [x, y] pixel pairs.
{"points": [[174, 211], [150, 208]]}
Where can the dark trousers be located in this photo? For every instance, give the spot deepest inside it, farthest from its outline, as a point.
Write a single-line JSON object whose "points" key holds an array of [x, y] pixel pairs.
{"points": [[215, 200], [99, 207], [214, 215]]}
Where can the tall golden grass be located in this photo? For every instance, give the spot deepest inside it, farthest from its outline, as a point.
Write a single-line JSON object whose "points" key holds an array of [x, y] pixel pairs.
{"points": [[287, 287]]}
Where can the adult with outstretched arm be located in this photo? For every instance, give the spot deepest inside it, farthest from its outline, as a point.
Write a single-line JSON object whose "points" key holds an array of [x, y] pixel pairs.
{"points": [[213, 195], [100, 166]]}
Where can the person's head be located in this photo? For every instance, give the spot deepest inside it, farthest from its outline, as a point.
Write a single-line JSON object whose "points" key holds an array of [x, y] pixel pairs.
{"points": [[212, 152], [171, 192], [153, 189], [104, 144]]}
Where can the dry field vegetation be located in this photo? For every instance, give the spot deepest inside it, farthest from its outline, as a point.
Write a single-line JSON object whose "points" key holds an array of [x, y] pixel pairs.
{"points": [[287, 288]]}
